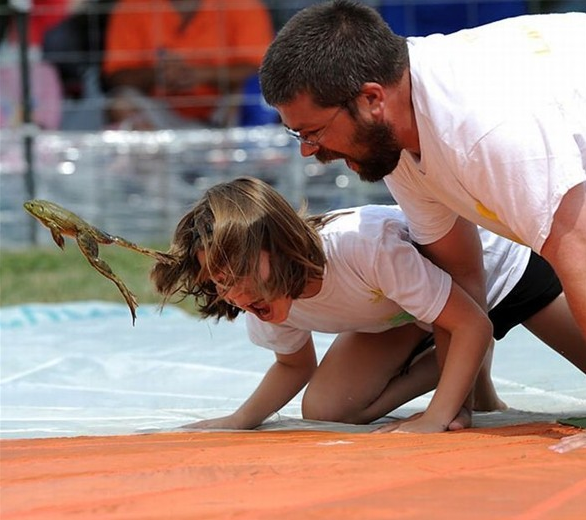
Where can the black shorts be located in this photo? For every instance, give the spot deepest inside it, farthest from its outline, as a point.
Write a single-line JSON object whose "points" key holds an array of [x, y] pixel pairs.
{"points": [[536, 289]]}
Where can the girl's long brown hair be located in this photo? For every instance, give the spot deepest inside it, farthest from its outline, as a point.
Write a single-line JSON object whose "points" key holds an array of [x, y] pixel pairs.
{"points": [[232, 223]]}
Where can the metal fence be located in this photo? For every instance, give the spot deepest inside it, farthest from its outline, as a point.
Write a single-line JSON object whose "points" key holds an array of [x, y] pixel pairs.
{"points": [[138, 184]]}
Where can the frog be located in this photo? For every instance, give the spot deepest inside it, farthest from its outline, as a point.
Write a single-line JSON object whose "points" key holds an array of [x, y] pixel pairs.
{"points": [[62, 222]]}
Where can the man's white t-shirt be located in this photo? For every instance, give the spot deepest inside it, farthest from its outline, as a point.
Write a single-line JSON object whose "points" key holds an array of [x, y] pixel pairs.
{"points": [[375, 279], [501, 114]]}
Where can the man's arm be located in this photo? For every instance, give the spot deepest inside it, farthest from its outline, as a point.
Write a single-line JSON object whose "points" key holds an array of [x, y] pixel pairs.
{"points": [[565, 250], [459, 253]]}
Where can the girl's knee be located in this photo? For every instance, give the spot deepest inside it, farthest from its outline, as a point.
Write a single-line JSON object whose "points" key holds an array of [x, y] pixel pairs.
{"points": [[320, 408], [310, 409]]}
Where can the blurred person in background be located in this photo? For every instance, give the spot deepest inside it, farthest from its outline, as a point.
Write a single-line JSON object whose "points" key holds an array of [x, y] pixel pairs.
{"points": [[75, 46], [45, 84], [559, 6], [42, 16], [181, 63], [424, 17]]}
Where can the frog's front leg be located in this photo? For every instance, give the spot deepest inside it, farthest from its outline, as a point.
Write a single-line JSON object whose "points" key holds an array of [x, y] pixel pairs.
{"points": [[89, 247], [57, 236]]}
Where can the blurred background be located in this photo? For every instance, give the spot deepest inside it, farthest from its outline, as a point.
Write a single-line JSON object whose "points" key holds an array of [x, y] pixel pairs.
{"points": [[124, 111]]}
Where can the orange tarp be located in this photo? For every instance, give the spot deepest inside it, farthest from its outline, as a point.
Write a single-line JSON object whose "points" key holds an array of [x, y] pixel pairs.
{"points": [[490, 473]]}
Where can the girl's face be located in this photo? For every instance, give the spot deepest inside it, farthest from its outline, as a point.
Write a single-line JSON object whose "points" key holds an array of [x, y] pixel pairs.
{"points": [[242, 295]]}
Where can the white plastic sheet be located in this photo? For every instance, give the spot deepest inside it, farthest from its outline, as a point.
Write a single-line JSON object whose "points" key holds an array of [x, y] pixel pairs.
{"points": [[83, 369]]}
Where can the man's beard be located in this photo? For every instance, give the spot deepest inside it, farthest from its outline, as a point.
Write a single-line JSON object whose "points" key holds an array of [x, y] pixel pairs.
{"points": [[382, 151]]}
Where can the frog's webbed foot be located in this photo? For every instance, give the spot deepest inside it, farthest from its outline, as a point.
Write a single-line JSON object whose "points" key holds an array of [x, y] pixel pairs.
{"points": [[89, 247], [164, 258]]}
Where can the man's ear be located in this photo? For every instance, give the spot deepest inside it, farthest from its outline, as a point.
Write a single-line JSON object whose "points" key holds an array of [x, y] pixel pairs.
{"points": [[371, 100]]}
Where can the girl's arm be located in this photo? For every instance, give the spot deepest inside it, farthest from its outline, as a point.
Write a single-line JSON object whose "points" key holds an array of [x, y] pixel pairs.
{"points": [[283, 381], [460, 254], [470, 332]]}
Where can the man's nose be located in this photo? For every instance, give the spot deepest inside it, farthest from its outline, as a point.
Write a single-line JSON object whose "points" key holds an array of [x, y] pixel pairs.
{"points": [[307, 150]]}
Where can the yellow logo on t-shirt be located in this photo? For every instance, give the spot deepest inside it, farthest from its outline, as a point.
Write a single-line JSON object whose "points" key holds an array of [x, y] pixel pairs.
{"points": [[537, 41], [483, 211], [377, 295], [397, 319]]}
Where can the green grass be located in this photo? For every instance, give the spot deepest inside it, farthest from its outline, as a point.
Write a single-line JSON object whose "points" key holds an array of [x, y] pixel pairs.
{"points": [[50, 275]]}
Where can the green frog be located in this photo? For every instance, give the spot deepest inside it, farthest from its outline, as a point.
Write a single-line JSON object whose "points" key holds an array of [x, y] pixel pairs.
{"points": [[61, 221]]}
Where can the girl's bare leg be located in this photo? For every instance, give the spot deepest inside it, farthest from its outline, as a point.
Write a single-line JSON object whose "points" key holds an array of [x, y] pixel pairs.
{"points": [[359, 381], [557, 328]]}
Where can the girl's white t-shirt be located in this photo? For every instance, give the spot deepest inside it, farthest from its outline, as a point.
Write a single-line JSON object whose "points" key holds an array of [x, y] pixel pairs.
{"points": [[375, 279]]}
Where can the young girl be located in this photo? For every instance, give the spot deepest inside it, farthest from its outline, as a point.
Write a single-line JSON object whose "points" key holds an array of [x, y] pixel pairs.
{"points": [[355, 273]]}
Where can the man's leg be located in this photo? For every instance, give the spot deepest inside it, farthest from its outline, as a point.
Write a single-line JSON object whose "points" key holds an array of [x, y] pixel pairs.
{"points": [[565, 250]]}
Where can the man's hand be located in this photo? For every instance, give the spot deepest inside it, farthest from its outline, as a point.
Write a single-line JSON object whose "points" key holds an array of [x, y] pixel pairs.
{"points": [[573, 442]]}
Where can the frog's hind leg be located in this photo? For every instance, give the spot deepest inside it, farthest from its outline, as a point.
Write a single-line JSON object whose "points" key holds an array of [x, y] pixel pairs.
{"points": [[89, 247], [153, 253]]}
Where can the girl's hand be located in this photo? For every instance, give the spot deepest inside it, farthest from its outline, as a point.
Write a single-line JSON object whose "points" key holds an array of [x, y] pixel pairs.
{"points": [[228, 422], [418, 423]]}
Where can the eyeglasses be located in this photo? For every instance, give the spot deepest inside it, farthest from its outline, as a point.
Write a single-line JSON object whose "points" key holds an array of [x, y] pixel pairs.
{"points": [[319, 134]]}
